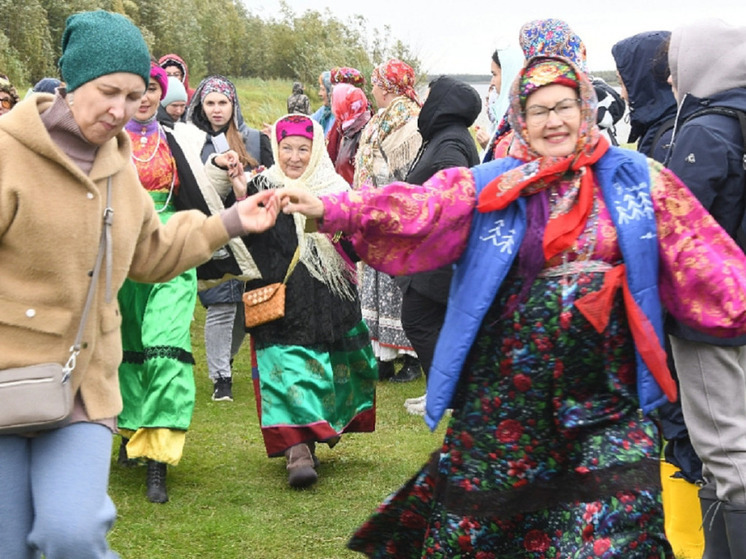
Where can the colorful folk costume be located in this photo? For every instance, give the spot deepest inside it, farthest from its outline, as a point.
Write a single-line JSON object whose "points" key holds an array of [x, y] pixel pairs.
{"points": [[315, 372], [387, 148], [156, 375], [550, 355]]}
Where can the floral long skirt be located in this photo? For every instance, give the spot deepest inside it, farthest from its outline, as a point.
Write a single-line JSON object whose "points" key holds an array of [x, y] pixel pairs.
{"points": [[546, 453]]}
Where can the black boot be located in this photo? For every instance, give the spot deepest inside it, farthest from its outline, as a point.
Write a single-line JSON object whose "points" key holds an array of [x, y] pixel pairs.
{"points": [[122, 459], [411, 370], [157, 482], [385, 369], [713, 525], [735, 526]]}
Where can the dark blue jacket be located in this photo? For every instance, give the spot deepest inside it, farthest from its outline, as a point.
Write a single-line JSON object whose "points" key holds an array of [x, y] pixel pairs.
{"points": [[707, 155]]}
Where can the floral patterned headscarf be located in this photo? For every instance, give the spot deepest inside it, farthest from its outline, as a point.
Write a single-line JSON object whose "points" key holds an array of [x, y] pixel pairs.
{"points": [[8, 88], [396, 77], [546, 70], [350, 106], [218, 84], [550, 37], [347, 75]]}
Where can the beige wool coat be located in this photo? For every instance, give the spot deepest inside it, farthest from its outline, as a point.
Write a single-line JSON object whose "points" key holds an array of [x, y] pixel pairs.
{"points": [[50, 227]]}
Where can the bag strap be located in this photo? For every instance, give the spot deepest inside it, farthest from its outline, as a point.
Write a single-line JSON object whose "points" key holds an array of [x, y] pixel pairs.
{"points": [[104, 246], [727, 111], [293, 262]]}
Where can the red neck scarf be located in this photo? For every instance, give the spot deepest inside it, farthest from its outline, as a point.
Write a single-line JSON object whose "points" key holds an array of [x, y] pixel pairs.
{"points": [[536, 175]]}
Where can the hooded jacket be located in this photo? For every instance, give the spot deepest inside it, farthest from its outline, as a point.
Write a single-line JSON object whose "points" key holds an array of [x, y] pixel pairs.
{"points": [[170, 60], [642, 63], [451, 108], [708, 69]]}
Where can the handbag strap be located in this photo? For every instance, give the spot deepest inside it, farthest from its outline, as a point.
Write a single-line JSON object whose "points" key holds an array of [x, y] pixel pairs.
{"points": [[104, 246], [293, 262]]}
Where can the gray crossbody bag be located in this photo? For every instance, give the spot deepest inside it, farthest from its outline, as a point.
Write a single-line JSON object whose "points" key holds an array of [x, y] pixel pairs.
{"points": [[40, 397]]}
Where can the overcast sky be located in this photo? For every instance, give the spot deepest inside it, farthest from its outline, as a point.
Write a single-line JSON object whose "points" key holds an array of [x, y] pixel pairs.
{"points": [[459, 36]]}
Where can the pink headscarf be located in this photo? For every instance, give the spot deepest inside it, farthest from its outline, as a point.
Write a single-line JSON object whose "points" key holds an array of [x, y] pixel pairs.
{"points": [[396, 77], [348, 104], [159, 75], [294, 125]]}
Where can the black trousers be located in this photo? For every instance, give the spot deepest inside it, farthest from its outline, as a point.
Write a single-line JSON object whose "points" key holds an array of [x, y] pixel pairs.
{"points": [[422, 319]]}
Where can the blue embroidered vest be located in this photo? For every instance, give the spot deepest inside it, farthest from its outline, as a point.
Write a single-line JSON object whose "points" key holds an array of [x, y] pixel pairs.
{"points": [[493, 244]]}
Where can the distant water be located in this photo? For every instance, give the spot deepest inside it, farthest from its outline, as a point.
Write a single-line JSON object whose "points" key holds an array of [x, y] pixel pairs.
{"points": [[622, 127]]}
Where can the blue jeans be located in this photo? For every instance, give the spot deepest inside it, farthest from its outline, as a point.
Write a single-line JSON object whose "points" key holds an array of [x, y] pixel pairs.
{"points": [[53, 497], [224, 333]]}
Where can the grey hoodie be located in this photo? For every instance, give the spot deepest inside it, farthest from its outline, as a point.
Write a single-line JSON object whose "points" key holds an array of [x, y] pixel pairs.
{"points": [[707, 57]]}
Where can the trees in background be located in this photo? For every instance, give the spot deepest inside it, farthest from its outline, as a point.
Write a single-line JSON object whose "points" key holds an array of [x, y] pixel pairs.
{"points": [[213, 36]]}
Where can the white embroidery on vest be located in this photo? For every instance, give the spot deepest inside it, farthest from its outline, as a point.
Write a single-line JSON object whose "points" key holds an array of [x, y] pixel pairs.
{"points": [[505, 242], [690, 158], [637, 204]]}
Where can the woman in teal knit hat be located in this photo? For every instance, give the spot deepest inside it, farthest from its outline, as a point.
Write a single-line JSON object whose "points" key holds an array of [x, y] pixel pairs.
{"points": [[65, 162]]}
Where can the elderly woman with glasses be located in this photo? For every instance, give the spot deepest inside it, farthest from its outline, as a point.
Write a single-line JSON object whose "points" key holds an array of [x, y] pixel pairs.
{"points": [[551, 356]]}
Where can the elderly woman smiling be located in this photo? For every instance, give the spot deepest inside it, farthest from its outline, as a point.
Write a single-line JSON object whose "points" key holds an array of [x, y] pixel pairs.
{"points": [[316, 371], [566, 253]]}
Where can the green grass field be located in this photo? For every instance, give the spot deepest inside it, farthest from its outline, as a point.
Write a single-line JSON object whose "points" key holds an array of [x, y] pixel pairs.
{"points": [[229, 501]]}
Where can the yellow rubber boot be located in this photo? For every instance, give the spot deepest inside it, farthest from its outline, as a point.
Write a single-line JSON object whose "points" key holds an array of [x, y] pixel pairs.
{"points": [[682, 514]]}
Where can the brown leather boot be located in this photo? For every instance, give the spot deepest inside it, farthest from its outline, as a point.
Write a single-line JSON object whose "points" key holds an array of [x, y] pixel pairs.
{"points": [[301, 472]]}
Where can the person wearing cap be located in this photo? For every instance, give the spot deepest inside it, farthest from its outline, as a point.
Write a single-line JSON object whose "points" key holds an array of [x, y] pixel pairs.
{"points": [[551, 355], [315, 373], [53, 484], [174, 103]]}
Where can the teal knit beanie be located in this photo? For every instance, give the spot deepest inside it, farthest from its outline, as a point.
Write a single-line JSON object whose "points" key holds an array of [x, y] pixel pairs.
{"points": [[98, 43]]}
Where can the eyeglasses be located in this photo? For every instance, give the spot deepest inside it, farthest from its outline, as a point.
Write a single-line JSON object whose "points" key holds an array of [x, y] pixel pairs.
{"points": [[7, 103], [565, 109]]}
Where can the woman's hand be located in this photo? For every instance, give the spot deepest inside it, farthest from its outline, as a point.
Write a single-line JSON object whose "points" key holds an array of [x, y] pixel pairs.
{"points": [[482, 136], [300, 200], [259, 211], [229, 160]]}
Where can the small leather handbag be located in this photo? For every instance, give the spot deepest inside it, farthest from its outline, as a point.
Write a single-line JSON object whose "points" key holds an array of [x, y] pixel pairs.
{"points": [[267, 303], [40, 397]]}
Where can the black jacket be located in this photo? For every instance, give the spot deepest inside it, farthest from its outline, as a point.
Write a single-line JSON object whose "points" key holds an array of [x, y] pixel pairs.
{"points": [[451, 108]]}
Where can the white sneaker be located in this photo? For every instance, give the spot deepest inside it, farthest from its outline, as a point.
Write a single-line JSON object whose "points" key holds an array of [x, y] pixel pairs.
{"points": [[411, 401], [417, 409]]}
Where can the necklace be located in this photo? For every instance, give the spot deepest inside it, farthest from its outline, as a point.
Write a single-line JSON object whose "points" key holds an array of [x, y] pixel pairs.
{"points": [[170, 189], [157, 145]]}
